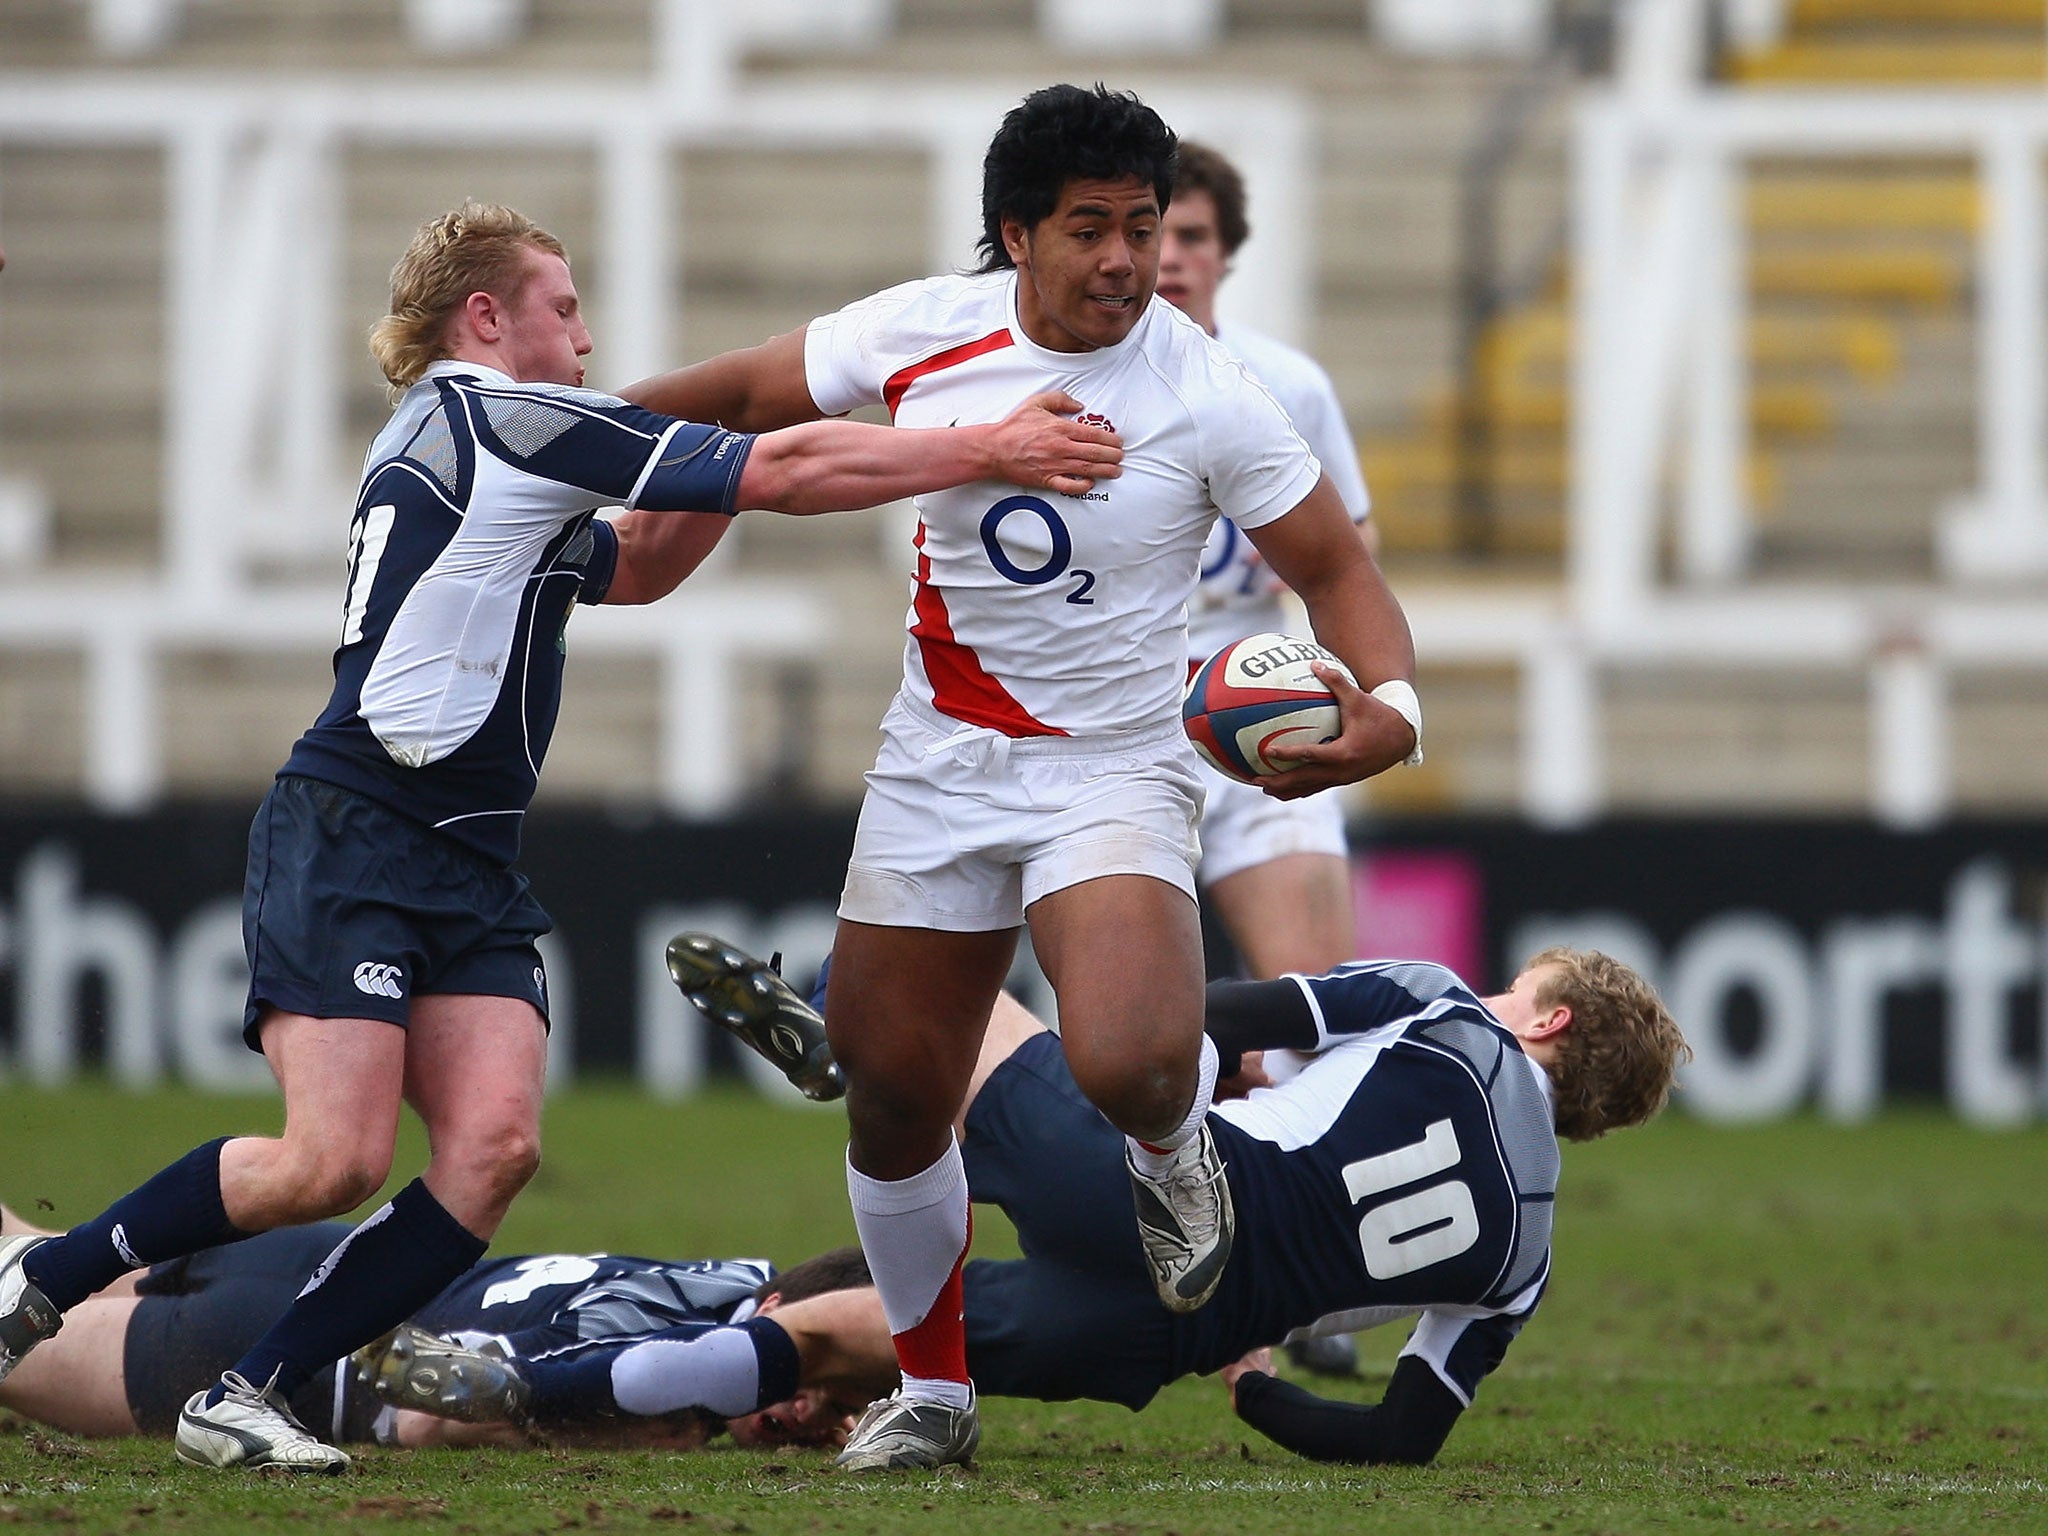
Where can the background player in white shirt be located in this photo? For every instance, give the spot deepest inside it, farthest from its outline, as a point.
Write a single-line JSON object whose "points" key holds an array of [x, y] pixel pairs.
{"points": [[390, 939], [1033, 768], [1275, 870]]}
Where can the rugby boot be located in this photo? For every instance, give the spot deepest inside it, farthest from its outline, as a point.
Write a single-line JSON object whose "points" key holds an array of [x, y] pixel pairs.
{"points": [[898, 1435], [749, 998], [1185, 1222], [412, 1368], [26, 1316], [251, 1428]]}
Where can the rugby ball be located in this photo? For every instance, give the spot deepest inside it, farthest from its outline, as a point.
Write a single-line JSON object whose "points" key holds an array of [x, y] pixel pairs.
{"points": [[1256, 694]]}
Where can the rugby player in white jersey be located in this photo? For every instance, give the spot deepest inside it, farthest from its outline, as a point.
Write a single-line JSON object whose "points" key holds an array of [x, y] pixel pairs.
{"points": [[391, 941], [1033, 769]]}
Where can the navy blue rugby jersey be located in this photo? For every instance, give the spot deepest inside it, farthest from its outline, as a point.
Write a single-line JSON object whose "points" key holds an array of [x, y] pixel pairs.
{"points": [[1411, 1168], [555, 1303], [474, 537]]}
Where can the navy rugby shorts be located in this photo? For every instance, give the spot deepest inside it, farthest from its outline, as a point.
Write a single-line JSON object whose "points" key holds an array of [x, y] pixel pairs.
{"points": [[198, 1315], [350, 909]]}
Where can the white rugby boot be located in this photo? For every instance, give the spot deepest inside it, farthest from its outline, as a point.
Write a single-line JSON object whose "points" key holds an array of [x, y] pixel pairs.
{"points": [[898, 1435], [26, 1316], [251, 1428], [1185, 1222]]}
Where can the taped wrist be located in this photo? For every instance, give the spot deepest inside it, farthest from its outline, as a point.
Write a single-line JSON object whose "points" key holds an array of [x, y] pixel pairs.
{"points": [[1398, 694]]}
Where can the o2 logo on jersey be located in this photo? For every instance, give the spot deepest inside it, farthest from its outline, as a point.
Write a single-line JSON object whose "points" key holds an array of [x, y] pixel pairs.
{"points": [[1059, 555], [1439, 1222]]}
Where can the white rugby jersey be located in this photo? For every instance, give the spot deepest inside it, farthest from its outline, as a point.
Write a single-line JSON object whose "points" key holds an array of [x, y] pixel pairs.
{"points": [[1040, 614], [1239, 594]]}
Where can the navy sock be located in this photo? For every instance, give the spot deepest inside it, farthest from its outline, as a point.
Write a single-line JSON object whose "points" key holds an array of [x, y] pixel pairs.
{"points": [[378, 1276], [176, 1213]]}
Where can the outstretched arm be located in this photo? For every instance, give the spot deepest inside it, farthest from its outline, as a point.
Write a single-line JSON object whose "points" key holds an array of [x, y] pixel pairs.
{"points": [[1246, 1016], [835, 466]]}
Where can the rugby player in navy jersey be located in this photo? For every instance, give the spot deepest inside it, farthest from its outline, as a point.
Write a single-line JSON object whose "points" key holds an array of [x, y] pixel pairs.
{"points": [[1408, 1171], [391, 942], [129, 1356]]}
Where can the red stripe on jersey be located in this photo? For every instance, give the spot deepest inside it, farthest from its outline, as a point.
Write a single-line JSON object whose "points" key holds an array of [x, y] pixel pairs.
{"points": [[898, 383], [961, 686]]}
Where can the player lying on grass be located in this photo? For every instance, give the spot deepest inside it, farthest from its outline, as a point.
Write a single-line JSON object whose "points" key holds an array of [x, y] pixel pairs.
{"points": [[128, 1357], [1409, 1169]]}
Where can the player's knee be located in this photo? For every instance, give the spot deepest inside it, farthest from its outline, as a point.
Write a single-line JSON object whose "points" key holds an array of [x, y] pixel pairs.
{"points": [[1143, 1091], [504, 1162], [339, 1184], [882, 1103]]}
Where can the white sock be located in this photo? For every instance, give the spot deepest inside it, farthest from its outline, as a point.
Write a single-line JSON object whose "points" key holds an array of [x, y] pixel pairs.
{"points": [[931, 1389], [912, 1231], [718, 1370], [1156, 1158]]}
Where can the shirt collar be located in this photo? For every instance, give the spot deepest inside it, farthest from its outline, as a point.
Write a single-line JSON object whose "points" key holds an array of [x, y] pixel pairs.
{"points": [[446, 367]]}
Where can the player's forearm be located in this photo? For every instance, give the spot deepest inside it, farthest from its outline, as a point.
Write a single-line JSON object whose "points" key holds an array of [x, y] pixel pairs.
{"points": [[1407, 1427], [413, 1430], [842, 1341], [658, 550], [1245, 1016], [1354, 613], [837, 466]]}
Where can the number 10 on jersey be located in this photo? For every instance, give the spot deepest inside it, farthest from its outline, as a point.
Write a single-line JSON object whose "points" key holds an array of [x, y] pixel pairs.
{"points": [[1435, 1223]]}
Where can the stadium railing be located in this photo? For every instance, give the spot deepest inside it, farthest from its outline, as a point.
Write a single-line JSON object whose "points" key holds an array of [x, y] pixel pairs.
{"points": [[257, 459], [1660, 391]]}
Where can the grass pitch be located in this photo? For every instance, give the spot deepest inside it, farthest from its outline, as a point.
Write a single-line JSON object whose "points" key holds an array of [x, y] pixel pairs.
{"points": [[1793, 1327]]}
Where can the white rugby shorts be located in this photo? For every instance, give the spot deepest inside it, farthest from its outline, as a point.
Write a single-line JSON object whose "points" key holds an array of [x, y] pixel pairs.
{"points": [[1244, 826], [963, 828]]}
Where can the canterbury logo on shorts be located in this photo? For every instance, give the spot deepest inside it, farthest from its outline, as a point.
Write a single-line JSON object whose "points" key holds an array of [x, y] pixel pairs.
{"points": [[377, 979]]}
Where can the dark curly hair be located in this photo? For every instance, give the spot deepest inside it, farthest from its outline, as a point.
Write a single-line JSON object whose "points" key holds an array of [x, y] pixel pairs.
{"points": [[1065, 133]]}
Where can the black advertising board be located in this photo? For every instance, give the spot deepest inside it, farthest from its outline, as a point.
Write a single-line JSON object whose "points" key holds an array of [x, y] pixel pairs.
{"points": [[1826, 964]]}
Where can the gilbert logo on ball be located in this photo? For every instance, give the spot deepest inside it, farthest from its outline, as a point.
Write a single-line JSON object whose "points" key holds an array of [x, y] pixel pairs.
{"points": [[1257, 694]]}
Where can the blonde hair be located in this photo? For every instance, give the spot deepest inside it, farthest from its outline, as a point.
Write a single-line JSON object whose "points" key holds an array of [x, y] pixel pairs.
{"points": [[473, 249], [1616, 1060]]}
